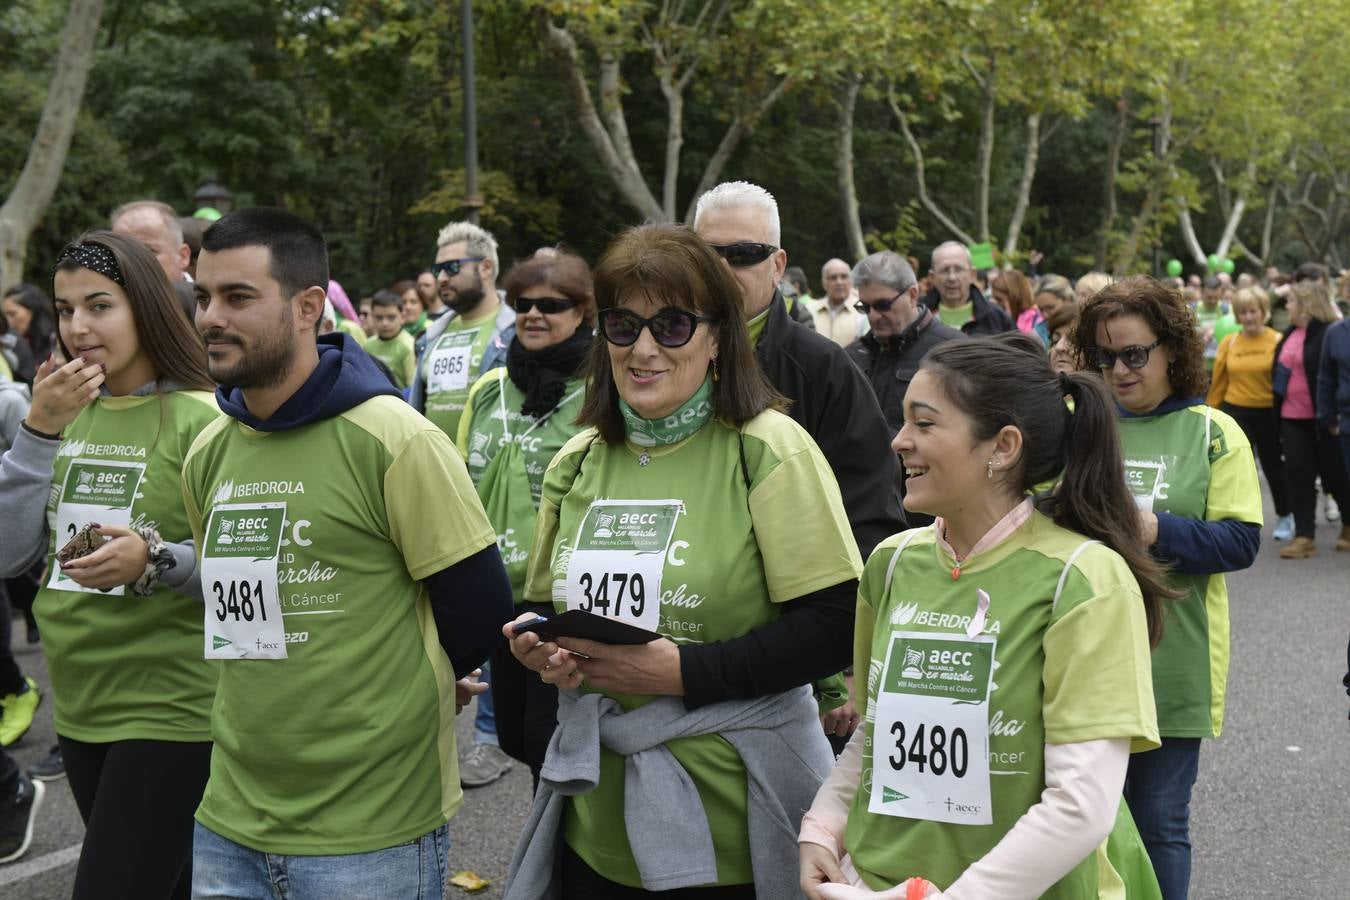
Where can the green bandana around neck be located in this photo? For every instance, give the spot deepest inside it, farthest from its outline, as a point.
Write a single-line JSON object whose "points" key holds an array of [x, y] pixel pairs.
{"points": [[673, 428]]}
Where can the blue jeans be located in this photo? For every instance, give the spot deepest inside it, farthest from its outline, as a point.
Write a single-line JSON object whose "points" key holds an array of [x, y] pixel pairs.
{"points": [[223, 870], [485, 720], [1158, 789]]}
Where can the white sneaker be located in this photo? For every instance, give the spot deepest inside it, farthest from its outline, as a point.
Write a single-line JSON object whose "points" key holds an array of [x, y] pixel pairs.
{"points": [[1332, 511], [1284, 528]]}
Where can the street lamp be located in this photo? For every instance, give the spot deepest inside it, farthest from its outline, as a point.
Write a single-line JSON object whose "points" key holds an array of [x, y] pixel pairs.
{"points": [[215, 195]]}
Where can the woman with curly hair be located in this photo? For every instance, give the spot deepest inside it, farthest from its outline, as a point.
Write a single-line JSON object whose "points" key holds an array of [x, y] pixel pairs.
{"points": [[1191, 471]]}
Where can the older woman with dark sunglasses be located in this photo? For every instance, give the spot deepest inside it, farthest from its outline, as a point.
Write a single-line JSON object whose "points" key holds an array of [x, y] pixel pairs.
{"points": [[517, 418], [680, 511], [1193, 477]]}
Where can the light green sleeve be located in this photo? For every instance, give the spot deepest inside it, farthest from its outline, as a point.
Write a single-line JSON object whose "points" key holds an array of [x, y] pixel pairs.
{"points": [[433, 535], [1234, 492], [478, 393], [558, 479], [800, 496], [1098, 672]]}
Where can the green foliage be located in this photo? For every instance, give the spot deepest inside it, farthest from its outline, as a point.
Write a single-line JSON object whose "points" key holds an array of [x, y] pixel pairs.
{"points": [[350, 113]]}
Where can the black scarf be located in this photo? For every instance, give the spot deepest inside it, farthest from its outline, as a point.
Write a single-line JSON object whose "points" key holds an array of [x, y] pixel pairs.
{"points": [[542, 374]]}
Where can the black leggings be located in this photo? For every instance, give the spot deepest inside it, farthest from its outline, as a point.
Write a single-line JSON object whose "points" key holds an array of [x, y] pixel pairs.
{"points": [[137, 799], [1309, 452], [1263, 433], [581, 882]]}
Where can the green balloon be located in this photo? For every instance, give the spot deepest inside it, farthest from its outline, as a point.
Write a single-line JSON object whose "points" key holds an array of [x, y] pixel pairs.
{"points": [[1214, 262], [1174, 267], [1228, 266], [210, 213]]}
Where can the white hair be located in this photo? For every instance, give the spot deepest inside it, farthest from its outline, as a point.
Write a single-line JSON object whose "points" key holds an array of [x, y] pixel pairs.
{"points": [[944, 245], [477, 241], [172, 227], [740, 194]]}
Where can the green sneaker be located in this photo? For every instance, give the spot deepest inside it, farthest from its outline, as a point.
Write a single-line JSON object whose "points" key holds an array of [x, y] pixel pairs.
{"points": [[17, 711]]}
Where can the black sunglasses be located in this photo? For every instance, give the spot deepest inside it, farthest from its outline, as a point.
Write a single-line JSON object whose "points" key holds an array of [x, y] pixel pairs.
{"points": [[451, 267], [670, 327], [880, 306], [547, 305], [1134, 357], [744, 254]]}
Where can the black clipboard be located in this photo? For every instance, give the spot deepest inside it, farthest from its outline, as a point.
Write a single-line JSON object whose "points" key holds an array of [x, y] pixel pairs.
{"points": [[577, 623]]}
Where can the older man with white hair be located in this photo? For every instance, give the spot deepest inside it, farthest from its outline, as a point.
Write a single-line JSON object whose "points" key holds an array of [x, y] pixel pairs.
{"points": [[833, 314], [156, 225], [829, 397], [954, 297]]}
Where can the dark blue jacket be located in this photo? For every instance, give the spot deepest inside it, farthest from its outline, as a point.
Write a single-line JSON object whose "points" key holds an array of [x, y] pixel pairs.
{"points": [[1332, 399]]}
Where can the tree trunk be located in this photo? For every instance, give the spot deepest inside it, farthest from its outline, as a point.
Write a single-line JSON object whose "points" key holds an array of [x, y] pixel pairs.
{"points": [[848, 193], [674, 141], [1188, 232], [615, 156], [920, 177], [985, 159], [47, 155], [737, 131], [1033, 141], [1109, 182]]}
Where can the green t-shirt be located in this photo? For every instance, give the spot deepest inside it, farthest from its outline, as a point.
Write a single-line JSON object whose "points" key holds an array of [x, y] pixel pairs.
{"points": [[450, 367], [124, 667], [399, 353], [956, 316], [348, 744], [1193, 462], [493, 419], [735, 554], [1064, 671]]}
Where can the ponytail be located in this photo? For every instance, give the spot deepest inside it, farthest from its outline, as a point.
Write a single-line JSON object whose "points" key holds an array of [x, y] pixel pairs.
{"points": [[1092, 497]]}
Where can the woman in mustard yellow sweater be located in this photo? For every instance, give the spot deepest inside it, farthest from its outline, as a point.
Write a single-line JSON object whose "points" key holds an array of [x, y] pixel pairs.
{"points": [[1242, 387]]}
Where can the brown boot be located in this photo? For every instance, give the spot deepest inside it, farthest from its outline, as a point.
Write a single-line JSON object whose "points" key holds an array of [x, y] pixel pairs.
{"points": [[1300, 548], [1343, 542]]}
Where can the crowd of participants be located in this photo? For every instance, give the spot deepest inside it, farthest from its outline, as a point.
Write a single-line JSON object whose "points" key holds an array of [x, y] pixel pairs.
{"points": [[897, 590]]}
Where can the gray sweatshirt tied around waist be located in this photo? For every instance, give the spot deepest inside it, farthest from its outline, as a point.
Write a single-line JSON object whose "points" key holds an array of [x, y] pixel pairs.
{"points": [[786, 758]]}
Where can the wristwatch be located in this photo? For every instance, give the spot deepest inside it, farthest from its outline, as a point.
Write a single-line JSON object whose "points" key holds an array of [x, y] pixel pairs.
{"points": [[159, 559]]}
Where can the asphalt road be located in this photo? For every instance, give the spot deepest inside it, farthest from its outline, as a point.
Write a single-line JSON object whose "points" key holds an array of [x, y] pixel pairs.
{"points": [[1271, 811]]}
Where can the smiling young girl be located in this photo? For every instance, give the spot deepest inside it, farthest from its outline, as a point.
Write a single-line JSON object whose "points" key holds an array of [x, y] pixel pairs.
{"points": [[121, 626]]}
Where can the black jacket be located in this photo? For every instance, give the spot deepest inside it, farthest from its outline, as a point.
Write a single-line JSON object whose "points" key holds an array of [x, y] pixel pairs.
{"points": [[890, 367], [989, 319], [1312, 355], [832, 401]]}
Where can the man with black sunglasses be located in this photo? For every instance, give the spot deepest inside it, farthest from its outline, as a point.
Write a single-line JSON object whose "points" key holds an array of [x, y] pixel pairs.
{"points": [[471, 339], [829, 396], [903, 331]]}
